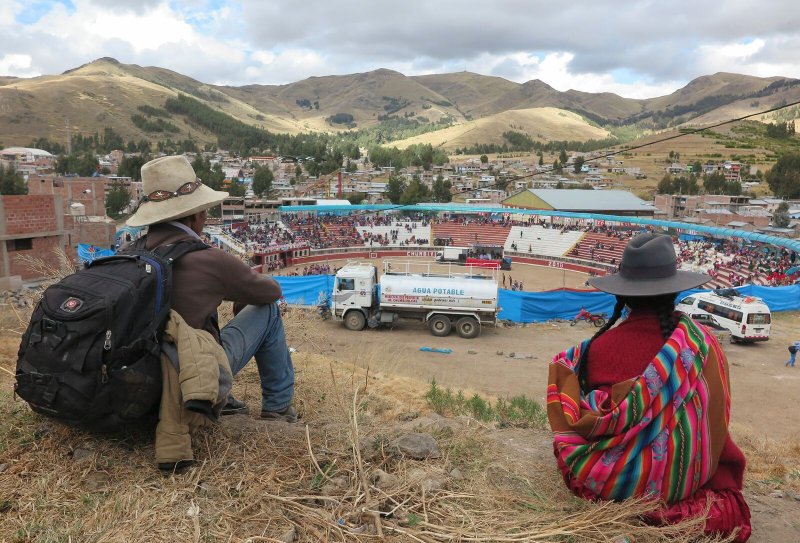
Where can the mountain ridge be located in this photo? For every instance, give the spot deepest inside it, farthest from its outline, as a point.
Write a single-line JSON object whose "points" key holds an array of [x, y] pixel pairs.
{"points": [[106, 92]]}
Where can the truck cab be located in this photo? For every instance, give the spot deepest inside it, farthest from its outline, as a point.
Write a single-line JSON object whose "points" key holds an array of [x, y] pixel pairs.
{"points": [[354, 294]]}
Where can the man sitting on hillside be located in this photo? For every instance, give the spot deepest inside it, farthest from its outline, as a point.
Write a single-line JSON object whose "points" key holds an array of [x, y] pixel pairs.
{"points": [[175, 208]]}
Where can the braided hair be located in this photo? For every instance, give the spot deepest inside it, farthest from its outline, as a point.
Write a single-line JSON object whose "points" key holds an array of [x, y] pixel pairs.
{"points": [[664, 306]]}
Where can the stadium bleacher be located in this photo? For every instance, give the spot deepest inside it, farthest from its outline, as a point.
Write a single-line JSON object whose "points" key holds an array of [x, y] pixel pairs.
{"points": [[541, 241], [600, 247], [466, 235], [408, 233]]}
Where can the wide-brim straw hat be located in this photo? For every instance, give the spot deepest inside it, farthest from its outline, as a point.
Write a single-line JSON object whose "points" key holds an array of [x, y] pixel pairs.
{"points": [[649, 268], [164, 178]]}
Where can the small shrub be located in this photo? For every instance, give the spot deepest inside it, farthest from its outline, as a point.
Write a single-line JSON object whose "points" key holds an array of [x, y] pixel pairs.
{"points": [[518, 411]]}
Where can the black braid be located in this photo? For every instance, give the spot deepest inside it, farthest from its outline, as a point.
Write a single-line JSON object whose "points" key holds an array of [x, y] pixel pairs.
{"points": [[583, 362], [667, 318]]}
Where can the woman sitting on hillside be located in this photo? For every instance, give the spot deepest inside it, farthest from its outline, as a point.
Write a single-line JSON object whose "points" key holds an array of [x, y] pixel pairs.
{"points": [[642, 410]]}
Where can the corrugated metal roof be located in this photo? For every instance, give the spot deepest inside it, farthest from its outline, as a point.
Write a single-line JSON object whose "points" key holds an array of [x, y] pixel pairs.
{"points": [[592, 200]]}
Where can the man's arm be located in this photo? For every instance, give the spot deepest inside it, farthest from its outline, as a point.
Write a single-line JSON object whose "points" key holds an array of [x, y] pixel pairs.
{"points": [[242, 285]]}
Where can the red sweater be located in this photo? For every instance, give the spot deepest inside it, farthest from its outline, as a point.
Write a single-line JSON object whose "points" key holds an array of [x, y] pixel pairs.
{"points": [[624, 352]]}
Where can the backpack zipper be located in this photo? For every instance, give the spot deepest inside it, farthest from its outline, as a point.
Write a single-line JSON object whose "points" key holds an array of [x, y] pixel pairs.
{"points": [[107, 343]]}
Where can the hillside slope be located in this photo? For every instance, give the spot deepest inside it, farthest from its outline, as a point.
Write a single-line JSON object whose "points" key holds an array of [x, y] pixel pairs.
{"points": [[106, 93], [543, 124]]}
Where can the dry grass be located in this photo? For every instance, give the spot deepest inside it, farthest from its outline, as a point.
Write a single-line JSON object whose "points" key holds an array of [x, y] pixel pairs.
{"points": [[312, 481], [542, 123]]}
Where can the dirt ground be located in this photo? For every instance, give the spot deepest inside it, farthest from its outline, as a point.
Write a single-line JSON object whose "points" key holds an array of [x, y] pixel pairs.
{"points": [[757, 370], [764, 391]]}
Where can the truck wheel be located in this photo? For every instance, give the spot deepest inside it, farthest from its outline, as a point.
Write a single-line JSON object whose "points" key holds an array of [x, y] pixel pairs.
{"points": [[468, 327], [440, 325], [355, 321]]}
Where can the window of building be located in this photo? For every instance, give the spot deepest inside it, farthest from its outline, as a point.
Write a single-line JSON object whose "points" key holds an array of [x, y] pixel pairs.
{"points": [[21, 244]]}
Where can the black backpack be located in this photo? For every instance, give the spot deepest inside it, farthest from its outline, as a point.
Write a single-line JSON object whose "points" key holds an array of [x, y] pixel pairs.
{"points": [[91, 353]]}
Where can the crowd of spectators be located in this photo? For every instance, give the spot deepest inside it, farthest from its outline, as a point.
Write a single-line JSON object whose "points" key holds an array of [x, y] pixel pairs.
{"points": [[733, 263], [324, 232], [260, 236], [739, 263]]}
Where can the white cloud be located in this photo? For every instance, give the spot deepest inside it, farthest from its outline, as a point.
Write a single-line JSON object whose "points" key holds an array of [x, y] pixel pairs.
{"points": [[583, 45], [17, 65]]}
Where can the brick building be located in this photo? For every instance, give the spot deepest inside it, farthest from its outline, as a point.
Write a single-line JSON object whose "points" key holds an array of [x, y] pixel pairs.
{"points": [[57, 213]]}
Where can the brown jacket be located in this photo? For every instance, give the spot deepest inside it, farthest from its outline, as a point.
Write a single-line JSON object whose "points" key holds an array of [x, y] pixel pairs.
{"points": [[195, 387], [201, 280]]}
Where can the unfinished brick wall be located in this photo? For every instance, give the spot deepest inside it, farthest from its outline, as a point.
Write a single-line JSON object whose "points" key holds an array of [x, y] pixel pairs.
{"points": [[89, 191], [43, 249], [27, 214]]}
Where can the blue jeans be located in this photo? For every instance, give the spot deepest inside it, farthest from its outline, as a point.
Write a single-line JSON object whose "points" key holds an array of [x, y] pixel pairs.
{"points": [[792, 356], [257, 331]]}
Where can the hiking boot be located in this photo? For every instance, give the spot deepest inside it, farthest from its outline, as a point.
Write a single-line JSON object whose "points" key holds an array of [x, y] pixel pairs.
{"points": [[288, 415], [175, 467], [234, 407]]}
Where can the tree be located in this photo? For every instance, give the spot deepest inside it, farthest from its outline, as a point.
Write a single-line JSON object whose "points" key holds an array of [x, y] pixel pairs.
{"points": [[11, 182], [211, 176], [784, 177], [395, 188], [578, 164], [298, 171], [131, 166], [117, 199], [780, 219], [415, 192], [714, 183], [562, 157], [356, 198], [686, 185], [557, 166], [484, 159], [665, 185], [541, 158], [441, 190], [84, 165], [237, 188], [262, 182]]}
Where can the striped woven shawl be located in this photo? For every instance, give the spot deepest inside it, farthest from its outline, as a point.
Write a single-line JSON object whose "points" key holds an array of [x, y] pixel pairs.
{"points": [[658, 435]]}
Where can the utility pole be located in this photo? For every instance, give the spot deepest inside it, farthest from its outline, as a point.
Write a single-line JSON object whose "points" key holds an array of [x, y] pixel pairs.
{"points": [[69, 137]]}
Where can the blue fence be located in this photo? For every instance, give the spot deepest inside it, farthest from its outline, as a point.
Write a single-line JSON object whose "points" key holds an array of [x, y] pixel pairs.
{"points": [[540, 306]]}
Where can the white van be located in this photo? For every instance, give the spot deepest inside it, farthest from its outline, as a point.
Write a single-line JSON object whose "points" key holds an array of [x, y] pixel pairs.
{"points": [[746, 317]]}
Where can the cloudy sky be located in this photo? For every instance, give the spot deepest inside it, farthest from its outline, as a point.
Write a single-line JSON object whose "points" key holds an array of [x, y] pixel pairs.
{"points": [[638, 48]]}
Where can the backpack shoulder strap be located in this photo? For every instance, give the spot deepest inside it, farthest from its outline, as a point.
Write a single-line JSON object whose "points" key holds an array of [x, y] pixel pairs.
{"points": [[174, 251]]}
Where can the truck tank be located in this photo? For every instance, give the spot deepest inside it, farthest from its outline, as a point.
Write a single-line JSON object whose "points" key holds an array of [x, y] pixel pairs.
{"points": [[431, 292]]}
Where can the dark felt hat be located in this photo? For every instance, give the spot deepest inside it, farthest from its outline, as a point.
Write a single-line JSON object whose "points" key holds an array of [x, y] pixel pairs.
{"points": [[648, 268]]}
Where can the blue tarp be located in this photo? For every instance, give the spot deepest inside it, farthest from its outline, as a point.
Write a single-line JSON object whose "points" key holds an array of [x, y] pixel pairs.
{"points": [[87, 252], [556, 304], [540, 306], [305, 290]]}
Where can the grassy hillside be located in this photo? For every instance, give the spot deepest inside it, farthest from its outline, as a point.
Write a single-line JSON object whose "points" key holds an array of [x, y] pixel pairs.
{"points": [[386, 104], [543, 124]]}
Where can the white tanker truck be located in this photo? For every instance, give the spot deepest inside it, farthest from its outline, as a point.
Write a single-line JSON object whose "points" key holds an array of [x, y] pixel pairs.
{"points": [[444, 300]]}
